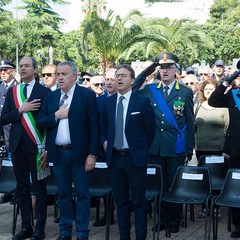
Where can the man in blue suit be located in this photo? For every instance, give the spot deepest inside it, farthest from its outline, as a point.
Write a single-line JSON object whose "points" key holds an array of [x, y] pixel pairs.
{"points": [[127, 150], [20, 109], [70, 116], [175, 132]]}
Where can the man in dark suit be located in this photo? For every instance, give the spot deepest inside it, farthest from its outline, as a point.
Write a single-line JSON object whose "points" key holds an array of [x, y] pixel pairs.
{"points": [[230, 100], [20, 109], [127, 150], [7, 71], [70, 116], [174, 138]]}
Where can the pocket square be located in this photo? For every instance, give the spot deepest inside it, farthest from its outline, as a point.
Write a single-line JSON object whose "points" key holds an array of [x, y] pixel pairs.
{"points": [[134, 113]]}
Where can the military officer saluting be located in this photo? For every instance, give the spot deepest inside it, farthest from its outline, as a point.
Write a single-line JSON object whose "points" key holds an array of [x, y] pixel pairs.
{"points": [[174, 138]]}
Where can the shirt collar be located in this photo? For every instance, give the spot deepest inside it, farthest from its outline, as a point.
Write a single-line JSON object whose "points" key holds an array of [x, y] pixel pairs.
{"points": [[70, 91], [126, 95], [30, 83]]}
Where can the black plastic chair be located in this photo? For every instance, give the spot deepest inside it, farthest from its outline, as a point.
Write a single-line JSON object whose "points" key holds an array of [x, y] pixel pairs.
{"points": [[99, 187], [229, 197], [52, 189], [154, 191], [8, 185], [218, 166], [7, 178], [191, 185]]}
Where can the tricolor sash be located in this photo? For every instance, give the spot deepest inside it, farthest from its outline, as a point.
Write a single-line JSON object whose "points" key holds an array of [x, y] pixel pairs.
{"points": [[180, 142], [29, 124], [235, 93]]}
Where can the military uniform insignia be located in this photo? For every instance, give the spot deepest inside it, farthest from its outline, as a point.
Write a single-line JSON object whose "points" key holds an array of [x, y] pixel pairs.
{"points": [[178, 108]]}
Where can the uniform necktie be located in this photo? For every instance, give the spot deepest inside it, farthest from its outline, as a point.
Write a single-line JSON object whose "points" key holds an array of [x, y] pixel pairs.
{"points": [[165, 93], [25, 90], [118, 143], [63, 99]]}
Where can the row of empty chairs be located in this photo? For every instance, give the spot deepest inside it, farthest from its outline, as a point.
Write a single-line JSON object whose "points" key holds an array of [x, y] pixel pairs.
{"points": [[192, 185]]}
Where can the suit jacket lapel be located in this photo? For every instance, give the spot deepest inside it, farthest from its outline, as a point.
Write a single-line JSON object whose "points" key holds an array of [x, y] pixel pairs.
{"points": [[130, 107], [112, 108]]}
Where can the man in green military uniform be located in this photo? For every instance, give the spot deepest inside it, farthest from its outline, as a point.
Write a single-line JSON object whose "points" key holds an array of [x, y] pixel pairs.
{"points": [[174, 138]]}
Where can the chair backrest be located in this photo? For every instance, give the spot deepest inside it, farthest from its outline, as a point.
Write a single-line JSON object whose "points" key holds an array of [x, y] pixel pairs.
{"points": [[218, 166], [51, 182], [7, 177], [192, 182], [99, 181], [154, 180], [231, 188]]}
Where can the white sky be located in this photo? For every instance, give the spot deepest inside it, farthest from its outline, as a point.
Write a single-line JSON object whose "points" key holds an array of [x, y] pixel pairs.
{"points": [[193, 9]]}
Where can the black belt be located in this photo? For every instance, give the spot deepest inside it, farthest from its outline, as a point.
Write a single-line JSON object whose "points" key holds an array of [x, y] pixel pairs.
{"points": [[65, 147], [122, 151]]}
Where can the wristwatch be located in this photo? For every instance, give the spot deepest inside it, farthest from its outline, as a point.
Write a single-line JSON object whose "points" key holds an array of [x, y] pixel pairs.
{"points": [[93, 156]]}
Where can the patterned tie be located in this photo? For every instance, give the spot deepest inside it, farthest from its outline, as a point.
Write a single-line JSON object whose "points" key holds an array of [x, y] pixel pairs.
{"points": [[118, 143], [25, 90], [63, 99], [165, 92]]}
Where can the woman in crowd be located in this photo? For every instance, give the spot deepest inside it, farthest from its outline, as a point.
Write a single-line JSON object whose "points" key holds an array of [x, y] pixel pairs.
{"points": [[211, 122]]}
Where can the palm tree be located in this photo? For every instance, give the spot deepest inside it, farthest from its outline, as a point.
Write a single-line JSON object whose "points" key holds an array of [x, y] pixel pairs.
{"points": [[109, 37]]}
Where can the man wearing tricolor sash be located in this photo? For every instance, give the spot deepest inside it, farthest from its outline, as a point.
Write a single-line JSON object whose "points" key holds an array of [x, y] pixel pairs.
{"points": [[231, 100], [27, 145], [174, 138]]}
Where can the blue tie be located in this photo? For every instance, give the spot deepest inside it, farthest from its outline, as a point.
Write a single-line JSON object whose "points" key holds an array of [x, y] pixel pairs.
{"points": [[118, 143]]}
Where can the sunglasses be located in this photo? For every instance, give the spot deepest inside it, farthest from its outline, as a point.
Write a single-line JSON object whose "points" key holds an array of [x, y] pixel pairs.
{"points": [[4, 70], [189, 83], [86, 79], [205, 74], [98, 84], [47, 74]]}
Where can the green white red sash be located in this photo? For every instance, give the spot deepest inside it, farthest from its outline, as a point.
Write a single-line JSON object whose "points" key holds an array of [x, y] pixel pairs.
{"points": [[29, 123]]}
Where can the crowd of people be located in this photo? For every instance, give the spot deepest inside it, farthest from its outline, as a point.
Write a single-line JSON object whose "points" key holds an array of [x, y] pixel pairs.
{"points": [[73, 119]]}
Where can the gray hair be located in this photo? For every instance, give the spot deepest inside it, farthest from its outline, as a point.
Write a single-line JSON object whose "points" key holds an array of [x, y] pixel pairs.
{"points": [[70, 64]]}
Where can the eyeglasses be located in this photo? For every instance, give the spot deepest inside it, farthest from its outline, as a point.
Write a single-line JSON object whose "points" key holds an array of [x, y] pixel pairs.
{"points": [[208, 89], [189, 83], [86, 79], [47, 74], [98, 84], [205, 74], [121, 75]]}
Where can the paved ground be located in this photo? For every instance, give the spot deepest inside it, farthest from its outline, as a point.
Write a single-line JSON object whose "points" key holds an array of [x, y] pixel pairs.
{"points": [[194, 230]]}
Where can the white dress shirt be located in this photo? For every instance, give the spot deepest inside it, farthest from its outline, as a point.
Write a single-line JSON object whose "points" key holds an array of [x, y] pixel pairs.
{"points": [[63, 133], [29, 87], [125, 102]]}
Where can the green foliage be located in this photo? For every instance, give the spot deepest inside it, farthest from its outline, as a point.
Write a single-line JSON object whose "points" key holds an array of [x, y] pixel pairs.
{"points": [[41, 10], [225, 12], [101, 43]]}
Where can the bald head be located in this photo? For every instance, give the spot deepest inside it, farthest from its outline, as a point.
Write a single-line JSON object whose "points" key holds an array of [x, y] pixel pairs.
{"points": [[97, 85], [192, 82]]}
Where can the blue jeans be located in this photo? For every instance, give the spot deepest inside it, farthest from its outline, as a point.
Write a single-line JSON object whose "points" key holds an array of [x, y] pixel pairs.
{"points": [[69, 173]]}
